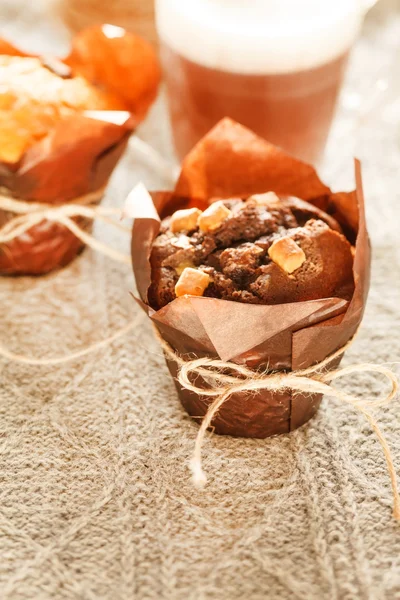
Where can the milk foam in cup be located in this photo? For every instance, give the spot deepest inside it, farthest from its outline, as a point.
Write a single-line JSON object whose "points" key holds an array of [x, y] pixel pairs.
{"points": [[275, 66]]}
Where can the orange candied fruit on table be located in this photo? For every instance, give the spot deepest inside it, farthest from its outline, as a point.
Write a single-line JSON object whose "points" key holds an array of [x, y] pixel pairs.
{"points": [[120, 62]]}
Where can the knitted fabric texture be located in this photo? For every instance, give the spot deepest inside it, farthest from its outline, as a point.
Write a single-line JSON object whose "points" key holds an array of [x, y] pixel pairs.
{"points": [[96, 498]]}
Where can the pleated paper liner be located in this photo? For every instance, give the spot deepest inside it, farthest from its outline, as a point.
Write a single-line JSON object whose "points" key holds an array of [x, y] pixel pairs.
{"points": [[232, 161]]}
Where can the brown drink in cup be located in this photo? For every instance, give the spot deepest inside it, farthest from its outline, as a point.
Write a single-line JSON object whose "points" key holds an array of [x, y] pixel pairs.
{"points": [[276, 67]]}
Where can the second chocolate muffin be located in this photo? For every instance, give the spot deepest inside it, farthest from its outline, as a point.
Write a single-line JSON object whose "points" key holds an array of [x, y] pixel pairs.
{"points": [[262, 250]]}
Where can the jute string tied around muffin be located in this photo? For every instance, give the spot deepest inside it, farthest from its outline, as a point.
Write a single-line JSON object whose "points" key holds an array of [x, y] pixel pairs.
{"points": [[313, 380], [30, 214]]}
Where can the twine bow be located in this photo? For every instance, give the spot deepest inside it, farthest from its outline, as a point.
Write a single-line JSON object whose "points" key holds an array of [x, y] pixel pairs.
{"points": [[222, 386], [314, 380], [30, 214]]}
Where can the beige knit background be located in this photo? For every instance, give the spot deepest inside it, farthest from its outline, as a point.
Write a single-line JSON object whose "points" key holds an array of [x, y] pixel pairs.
{"points": [[95, 496]]}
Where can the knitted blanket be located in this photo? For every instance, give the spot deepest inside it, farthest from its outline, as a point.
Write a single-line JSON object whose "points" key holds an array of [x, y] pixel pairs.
{"points": [[96, 500]]}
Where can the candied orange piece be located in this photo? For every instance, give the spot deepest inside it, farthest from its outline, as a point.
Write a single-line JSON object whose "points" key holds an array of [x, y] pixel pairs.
{"points": [[213, 216], [120, 62], [12, 143], [287, 254], [191, 282]]}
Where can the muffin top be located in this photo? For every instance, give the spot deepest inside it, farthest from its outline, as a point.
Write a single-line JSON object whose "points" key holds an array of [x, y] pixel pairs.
{"points": [[34, 96], [261, 250]]}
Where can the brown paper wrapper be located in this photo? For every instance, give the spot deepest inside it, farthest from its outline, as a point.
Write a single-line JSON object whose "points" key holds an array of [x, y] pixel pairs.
{"points": [[232, 161], [80, 153]]}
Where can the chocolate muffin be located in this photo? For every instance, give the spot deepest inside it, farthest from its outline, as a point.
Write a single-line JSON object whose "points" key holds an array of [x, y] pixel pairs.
{"points": [[261, 250]]}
